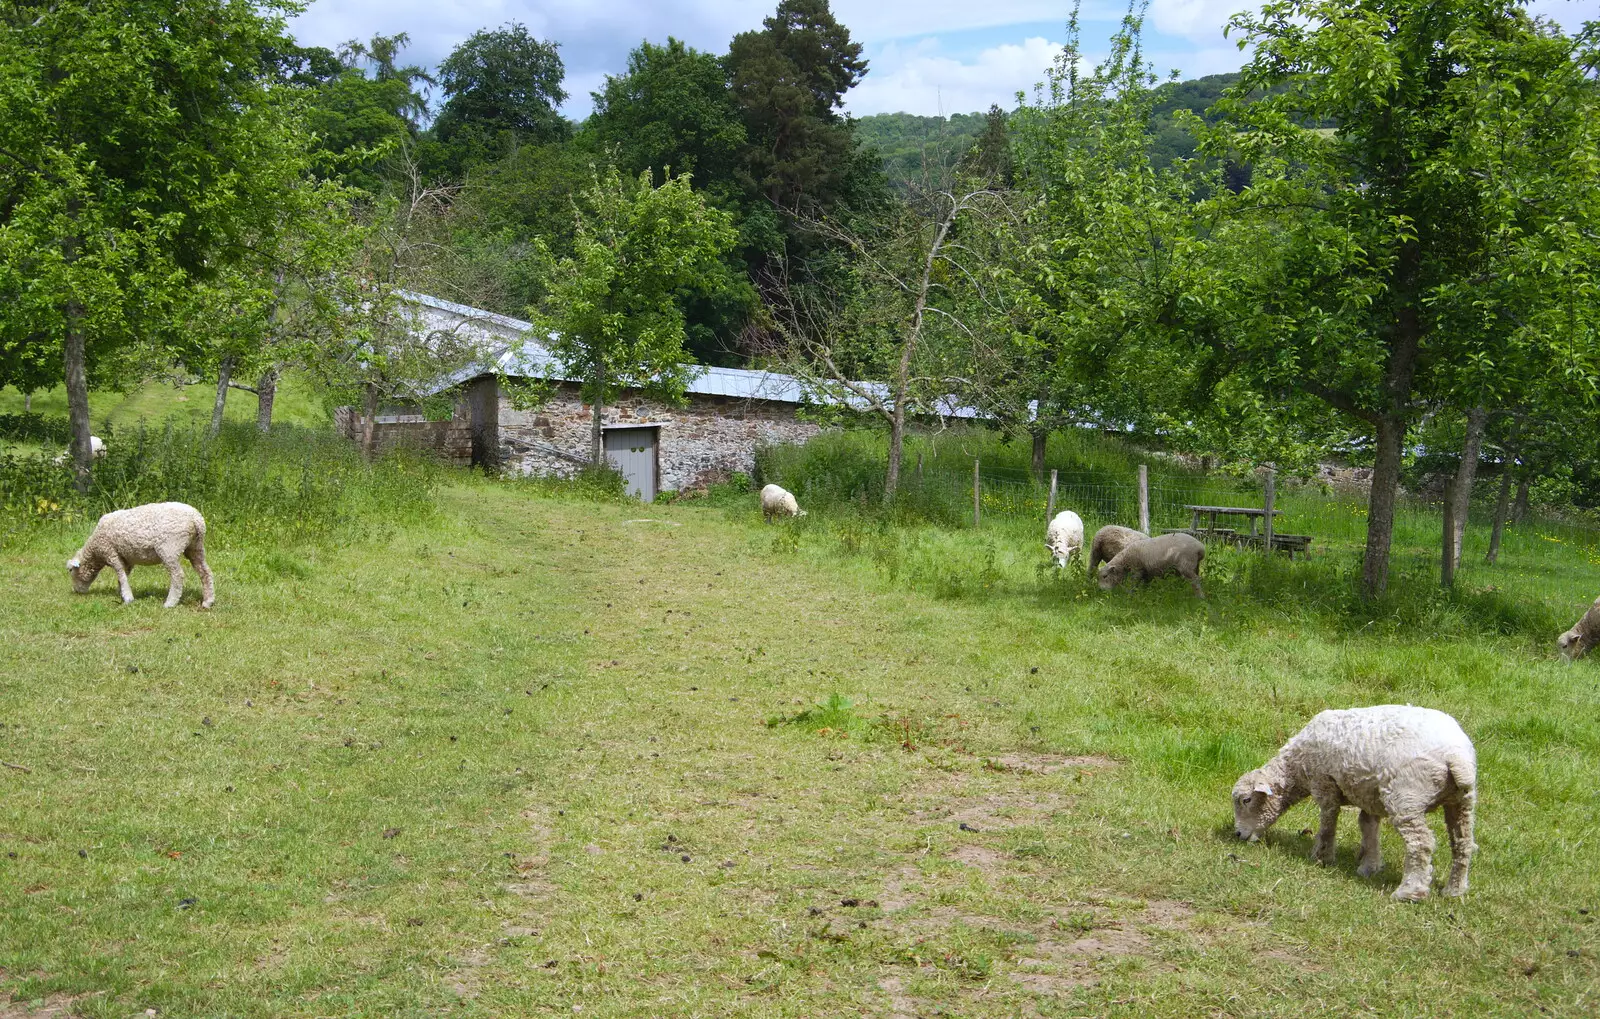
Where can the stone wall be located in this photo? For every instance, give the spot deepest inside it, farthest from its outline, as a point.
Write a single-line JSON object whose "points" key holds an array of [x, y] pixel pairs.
{"points": [[452, 439], [701, 442]]}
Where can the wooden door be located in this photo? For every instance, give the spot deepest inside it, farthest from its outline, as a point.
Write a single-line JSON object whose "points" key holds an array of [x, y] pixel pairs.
{"points": [[632, 451]]}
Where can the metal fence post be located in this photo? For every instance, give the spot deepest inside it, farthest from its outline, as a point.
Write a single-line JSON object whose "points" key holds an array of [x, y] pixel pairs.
{"points": [[1144, 498], [1050, 507], [1272, 491], [977, 513], [1447, 562]]}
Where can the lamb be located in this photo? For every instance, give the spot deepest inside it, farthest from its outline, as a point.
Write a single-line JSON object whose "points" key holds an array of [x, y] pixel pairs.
{"points": [[1393, 761], [1583, 636], [159, 532], [1064, 537], [1110, 540], [1156, 557], [779, 502]]}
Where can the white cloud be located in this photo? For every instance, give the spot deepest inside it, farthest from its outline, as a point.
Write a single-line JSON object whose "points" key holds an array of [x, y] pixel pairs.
{"points": [[917, 78]]}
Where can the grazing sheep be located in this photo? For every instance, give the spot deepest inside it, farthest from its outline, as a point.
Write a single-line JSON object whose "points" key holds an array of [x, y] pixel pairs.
{"points": [[97, 449], [1110, 540], [1585, 634], [159, 532], [779, 502], [1393, 761], [1064, 537], [1156, 557]]}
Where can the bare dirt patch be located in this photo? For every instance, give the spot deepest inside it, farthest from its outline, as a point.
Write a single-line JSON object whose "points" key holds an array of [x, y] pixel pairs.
{"points": [[1046, 764], [56, 1006]]}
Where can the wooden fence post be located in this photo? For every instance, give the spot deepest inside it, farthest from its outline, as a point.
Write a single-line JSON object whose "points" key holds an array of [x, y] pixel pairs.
{"points": [[1447, 561], [977, 513], [1144, 498], [1050, 507], [1272, 492]]}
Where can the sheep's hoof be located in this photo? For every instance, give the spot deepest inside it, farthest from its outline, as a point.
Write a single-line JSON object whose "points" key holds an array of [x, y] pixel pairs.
{"points": [[1454, 891], [1369, 869], [1409, 894]]}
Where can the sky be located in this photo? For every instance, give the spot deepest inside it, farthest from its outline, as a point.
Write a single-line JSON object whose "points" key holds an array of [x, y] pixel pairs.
{"points": [[925, 56]]}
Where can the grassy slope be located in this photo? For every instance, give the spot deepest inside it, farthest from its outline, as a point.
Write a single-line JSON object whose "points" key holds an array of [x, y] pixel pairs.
{"points": [[156, 402], [461, 766]]}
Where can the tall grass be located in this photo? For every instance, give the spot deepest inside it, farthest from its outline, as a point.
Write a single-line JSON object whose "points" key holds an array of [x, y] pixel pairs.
{"points": [[927, 540], [293, 487]]}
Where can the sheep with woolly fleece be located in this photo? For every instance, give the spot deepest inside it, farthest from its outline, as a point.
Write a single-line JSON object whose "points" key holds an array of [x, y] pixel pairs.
{"points": [[1146, 560], [97, 449], [1393, 761], [1063, 538], [779, 502], [159, 532], [1109, 541], [1583, 636]]}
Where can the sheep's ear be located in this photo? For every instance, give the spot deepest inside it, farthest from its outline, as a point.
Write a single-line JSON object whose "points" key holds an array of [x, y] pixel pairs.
{"points": [[1264, 786], [73, 564]]}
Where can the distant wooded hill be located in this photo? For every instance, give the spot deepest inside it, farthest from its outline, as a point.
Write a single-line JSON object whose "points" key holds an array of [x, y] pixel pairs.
{"points": [[909, 143]]}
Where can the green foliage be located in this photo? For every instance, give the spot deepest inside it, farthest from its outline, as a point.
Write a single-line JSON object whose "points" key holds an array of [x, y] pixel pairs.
{"points": [[292, 488], [501, 90], [35, 428], [615, 306], [916, 148], [671, 111]]}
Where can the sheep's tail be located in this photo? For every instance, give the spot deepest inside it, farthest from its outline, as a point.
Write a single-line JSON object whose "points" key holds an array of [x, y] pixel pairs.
{"points": [[1463, 771]]}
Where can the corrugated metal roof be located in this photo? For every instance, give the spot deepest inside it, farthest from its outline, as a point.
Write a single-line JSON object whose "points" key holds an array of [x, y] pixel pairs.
{"points": [[522, 356]]}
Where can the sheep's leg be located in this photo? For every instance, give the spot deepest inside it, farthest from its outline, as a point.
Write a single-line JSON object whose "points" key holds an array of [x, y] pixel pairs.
{"points": [[1324, 848], [123, 586], [1194, 581], [1458, 822], [197, 556], [175, 589], [1371, 851], [1418, 837]]}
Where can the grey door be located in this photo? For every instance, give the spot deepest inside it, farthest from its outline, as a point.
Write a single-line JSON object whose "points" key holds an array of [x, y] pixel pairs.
{"points": [[633, 452]]}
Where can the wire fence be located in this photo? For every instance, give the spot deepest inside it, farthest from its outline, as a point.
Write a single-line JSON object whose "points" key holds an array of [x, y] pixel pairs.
{"points": [[962, 496]]}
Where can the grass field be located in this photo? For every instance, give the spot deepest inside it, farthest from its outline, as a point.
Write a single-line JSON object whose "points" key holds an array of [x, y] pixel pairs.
{"points": [[156, 403], [517, 753]]}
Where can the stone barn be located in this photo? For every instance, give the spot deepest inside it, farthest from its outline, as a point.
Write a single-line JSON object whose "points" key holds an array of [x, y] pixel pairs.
{"points": [[727, 414]]}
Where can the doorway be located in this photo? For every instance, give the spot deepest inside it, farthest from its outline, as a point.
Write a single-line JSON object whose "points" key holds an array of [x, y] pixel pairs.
{"points": [[632, 451]]}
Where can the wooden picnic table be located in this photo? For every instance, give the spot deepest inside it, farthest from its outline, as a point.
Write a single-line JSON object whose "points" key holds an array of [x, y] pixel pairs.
{"points": [[1253, 512]]}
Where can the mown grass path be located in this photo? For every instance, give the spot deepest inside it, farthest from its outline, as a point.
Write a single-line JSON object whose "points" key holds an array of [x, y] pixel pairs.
{"points": [[518, 762]]}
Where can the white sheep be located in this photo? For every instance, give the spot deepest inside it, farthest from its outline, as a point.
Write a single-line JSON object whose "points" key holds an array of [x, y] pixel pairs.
{"points": [[1064, 537], [1393, 761], [159, 532], [97, 449], [779, 502]]}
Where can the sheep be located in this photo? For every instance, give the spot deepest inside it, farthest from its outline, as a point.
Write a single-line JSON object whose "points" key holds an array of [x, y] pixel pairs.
{"points": [[779, 502], [1585, 634], [1393, 761], [1110, 540], [160, 532], [1064, 537], [97, 449], [1156, 557]]}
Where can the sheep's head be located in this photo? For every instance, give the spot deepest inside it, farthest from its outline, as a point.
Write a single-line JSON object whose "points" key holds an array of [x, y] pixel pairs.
{"points": [[1258, 801], [82, 573], [1111, 574], [1570, 645]]}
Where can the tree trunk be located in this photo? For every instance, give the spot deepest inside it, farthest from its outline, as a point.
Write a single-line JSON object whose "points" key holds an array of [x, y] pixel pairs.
{"points": [[1380, 508], [369, 424], [1465, 475], [1501, 506], [27, 402], [897, 442], [77, 393], [224, 375], [266, 393], [1039, 437], [1519, 508], [597, 435]]}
